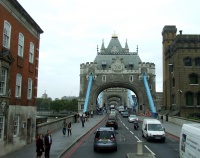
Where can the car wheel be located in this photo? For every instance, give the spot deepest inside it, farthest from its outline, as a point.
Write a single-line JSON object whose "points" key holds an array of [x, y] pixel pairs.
{"points": [[116, 149], [95, 149], [148, 139], [142, 134]]}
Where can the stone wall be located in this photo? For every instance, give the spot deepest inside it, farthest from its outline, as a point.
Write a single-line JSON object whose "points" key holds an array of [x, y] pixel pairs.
{"points": [[53, 125]]}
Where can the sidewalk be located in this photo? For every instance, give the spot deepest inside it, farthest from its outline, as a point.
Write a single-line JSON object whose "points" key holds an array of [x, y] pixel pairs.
{"points": [[60, 143], [170, 128]]}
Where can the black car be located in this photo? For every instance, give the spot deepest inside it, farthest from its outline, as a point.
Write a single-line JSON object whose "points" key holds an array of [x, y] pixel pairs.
{"points": [[112, 122]]}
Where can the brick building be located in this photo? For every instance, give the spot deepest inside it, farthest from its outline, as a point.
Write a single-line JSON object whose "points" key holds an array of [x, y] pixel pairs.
{"points": [[19, 57], [181, 72]]}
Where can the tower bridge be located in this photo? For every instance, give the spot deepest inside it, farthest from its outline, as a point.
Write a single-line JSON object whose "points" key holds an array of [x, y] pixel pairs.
{"points": [[115, 68]]}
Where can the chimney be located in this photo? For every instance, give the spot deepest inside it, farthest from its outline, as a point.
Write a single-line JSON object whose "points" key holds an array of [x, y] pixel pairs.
{"points": [[180, 32]]}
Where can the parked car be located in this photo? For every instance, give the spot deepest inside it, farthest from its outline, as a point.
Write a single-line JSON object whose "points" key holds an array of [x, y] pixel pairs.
{"points": [[125, 114], [132, 118], [112, 122], [105, 138]]}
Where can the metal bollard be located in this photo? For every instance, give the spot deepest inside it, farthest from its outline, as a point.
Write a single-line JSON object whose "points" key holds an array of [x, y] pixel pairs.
{"points": [[139, 148]]}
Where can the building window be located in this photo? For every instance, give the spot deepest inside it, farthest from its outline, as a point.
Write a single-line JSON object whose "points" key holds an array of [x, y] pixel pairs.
{"points": [[103, 78], [193, 79], [198, 99], [197, 62], [16, 126], [173, 82], [31, 55], [103, 64], [18, 85], [6, 34], [82, 106], [1, 127], [189, 99], [3, 81], [29, 94], [188, 62], [131, 78], [21, 45]]}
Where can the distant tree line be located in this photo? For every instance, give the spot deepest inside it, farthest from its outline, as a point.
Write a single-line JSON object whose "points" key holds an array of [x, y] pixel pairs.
{"points": [[47, 104]]}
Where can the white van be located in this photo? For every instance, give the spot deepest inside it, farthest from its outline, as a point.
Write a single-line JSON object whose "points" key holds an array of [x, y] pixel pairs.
{"points": [[190, 141], [153, 129]]}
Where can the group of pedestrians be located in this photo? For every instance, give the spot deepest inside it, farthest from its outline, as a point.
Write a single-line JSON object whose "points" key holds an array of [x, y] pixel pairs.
{"points": [[68, 127], [43, 144]]}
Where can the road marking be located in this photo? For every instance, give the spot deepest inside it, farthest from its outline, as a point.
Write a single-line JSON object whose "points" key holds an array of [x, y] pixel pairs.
{"points": [[149, 150], [131, 132], [137, 138]]}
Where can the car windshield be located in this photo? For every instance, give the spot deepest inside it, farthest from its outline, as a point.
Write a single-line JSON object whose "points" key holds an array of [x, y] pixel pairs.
{"points": [[104, 135], [155, 127], [132, 116]]}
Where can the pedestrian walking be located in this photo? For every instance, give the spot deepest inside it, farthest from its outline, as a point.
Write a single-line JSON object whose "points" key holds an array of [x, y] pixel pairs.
{"points": [[92, 114], [82, 120], [161, 118], [64, 126], [78, 116], [40, 146], [75, 117], [48, 143], [69, 128]]}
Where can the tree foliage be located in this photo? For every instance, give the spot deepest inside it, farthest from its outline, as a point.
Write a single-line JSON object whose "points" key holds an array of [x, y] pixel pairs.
{"points": [[57, 105]]}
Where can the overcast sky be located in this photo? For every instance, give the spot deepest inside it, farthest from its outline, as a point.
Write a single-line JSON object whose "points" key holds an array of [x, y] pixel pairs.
{"points": [[74, 28]]}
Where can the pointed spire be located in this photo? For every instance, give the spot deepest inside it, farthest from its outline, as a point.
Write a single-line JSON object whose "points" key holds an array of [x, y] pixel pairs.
{"points": [[126, 47], [114, 35], [102, 46]]}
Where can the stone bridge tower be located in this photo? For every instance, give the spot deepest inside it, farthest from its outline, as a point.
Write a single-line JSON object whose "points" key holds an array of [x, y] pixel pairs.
{"points": [[116, 67]]}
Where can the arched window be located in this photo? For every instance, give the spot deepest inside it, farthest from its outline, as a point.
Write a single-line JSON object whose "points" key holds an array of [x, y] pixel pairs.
{"points": [[188, 62], [193, 78], [189, 99]]}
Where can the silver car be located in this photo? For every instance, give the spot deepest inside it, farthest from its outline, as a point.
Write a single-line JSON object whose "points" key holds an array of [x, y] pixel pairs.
{"points": [[105, 138], [132, 118]]}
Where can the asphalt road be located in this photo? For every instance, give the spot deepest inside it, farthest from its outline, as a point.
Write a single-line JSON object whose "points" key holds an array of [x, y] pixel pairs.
{"points": [[127, 139]]}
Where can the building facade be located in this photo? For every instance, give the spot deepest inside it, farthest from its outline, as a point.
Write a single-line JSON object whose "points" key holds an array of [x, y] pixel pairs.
{"points": [[19, 57], [181, 72]]}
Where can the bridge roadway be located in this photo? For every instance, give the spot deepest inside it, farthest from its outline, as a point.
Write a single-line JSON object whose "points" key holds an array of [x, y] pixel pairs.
{"points": [[61, 143]]}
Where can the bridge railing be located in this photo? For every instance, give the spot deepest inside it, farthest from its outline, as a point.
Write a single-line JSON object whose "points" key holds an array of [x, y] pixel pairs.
{"points": [[53, 125]]}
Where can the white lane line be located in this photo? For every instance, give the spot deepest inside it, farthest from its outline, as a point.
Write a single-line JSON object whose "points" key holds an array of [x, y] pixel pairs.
{"points": [[137, 138], [149, 150], [131, 132], [127, 128]]}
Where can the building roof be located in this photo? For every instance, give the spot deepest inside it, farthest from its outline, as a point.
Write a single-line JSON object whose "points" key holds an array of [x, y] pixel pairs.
{"points": [[115, 50]]}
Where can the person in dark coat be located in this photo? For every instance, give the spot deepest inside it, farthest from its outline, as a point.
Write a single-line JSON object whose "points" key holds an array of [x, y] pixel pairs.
{"points": [[48, 143], [69, 128], [40, 146], [82, 120]]}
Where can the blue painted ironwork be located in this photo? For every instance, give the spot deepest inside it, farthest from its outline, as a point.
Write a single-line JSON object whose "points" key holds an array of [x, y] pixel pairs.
{"points": [[88, 93], [154, 114]]}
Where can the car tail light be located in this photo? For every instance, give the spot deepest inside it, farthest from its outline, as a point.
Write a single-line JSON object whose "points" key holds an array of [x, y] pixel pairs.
{"points": [[97, 139], [112, 139]]}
